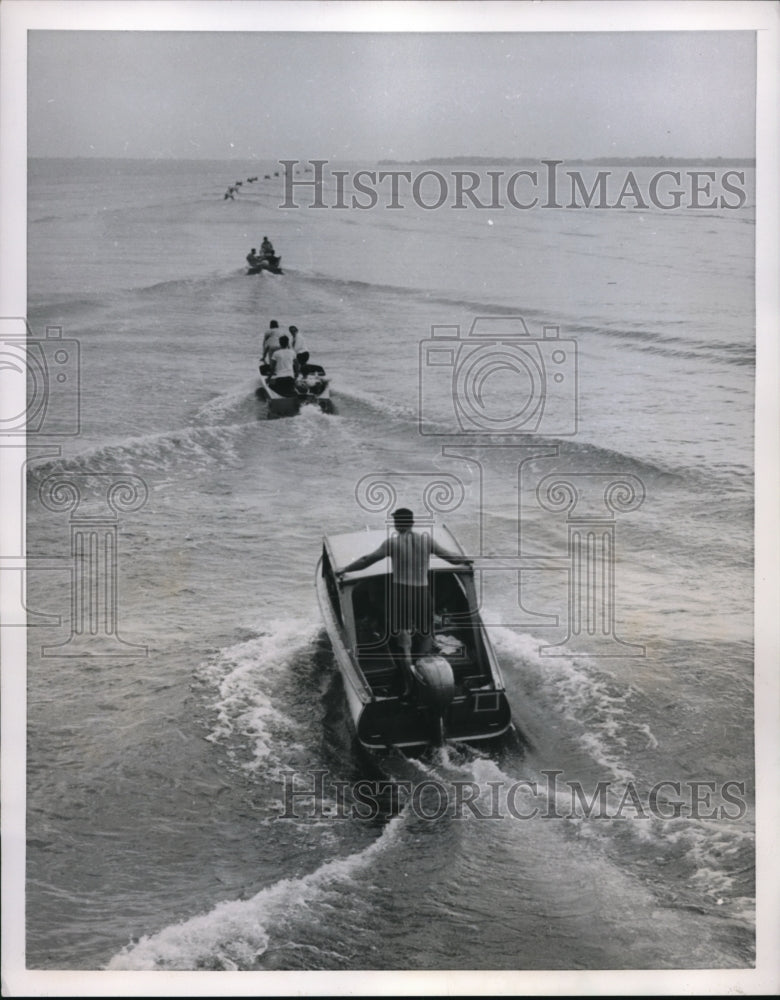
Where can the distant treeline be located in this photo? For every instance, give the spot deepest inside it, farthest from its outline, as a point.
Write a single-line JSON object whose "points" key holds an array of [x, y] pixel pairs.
{"points": [[620, 161]]}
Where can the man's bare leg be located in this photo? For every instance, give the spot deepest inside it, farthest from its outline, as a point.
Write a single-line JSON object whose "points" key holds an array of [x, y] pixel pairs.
{"points": [[405, 642]]}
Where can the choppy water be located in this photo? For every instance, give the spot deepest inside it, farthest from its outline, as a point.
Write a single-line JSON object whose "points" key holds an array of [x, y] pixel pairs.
{"points": [[159, 836]]}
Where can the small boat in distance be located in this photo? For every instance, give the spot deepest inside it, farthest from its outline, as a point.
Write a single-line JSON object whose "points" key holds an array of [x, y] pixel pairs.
{"points": [[459, 692], [266, 260], [312, 388]]}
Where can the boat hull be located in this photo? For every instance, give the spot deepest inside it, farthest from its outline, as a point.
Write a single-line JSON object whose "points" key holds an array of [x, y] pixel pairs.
{"points": [[290, 406], [265, 265]]}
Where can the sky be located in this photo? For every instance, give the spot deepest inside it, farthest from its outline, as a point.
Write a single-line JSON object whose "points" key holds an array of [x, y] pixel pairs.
{"points": [[410, 95]]}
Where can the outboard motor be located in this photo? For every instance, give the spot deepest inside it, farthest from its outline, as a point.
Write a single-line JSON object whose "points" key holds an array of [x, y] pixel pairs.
{"points": [[437, 688]]}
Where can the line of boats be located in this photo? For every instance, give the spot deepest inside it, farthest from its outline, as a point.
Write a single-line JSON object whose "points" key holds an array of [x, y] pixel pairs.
{"points": [[458, 693], [311, 384]]}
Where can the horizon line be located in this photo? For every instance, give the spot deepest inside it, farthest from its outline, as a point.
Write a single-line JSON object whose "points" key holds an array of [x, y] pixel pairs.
{"points": [[477, 159]]}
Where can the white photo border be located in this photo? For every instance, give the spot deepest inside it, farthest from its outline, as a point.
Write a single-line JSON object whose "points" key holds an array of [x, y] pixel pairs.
{"points": [[17, 17]]}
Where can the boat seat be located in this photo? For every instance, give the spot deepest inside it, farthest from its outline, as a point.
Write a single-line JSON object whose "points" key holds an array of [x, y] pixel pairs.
{"points": [[379, 668], [456, 648]]}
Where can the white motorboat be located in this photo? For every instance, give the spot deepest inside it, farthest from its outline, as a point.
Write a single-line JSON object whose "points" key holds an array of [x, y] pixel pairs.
{"points": [[459, 693]]}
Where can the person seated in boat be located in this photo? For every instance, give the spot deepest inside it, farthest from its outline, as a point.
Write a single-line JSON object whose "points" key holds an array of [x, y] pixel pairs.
{"points": [[252, 259], [284, 368], [267, 253], [299, 346], [411, 608]]}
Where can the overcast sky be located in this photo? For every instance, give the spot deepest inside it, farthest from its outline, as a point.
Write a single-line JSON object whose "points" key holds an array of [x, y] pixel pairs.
{"points": [[405, 96]]}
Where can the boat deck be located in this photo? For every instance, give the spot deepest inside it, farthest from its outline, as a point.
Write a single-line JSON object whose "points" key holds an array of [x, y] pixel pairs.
{"points": [[456, 638], [385, 678]]}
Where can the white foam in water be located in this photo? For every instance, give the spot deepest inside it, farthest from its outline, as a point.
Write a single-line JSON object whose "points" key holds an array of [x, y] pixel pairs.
{"points": [[384, 405], [235, 933], [153, 452], [705, 848], [709, 848], [310, 424], [245, 676], [599, 718], [228, 404]]}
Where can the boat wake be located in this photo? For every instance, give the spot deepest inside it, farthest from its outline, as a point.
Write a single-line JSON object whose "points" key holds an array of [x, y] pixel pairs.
{"points": [[262, 693], [235, 934], [151, 453]]}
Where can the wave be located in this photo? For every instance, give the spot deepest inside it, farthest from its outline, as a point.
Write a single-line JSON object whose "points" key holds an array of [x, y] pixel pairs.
{"points": [[668, 344], [576, 703], [651, 470], [478, 308], [250, 709], [374, 403], [590, 456], [235, 934], [236, 405], [657, 341], [592, 709], [61, 308], [202, 284], [596, 456], [213, 438], [149, 452], [357, 287]]}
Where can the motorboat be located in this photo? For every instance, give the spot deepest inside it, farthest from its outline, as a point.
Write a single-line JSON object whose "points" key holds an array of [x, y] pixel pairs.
{"points": [[458, 693], [312, 388]]}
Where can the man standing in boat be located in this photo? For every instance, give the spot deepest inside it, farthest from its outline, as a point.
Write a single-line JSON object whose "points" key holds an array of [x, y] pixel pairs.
{"points": [[410, 604], [270, 342]]}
